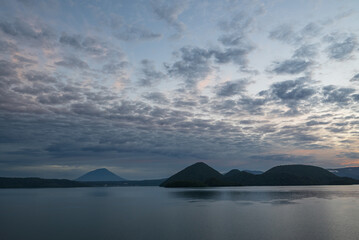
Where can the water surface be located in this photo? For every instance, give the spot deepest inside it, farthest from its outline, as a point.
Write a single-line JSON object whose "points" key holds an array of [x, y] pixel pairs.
{"points": [[310, 212]]}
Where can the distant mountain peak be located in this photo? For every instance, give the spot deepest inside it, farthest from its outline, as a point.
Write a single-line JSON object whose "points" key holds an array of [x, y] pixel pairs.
{"points": [[101, 170], [199, 164], [352, 172], [100, 175]]}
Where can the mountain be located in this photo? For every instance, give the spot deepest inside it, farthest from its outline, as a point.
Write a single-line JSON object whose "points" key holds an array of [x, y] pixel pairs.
{"points": [[352, 172], [100, 175], [287, 175], [201, 175], [196, 175], [253, 172], [38, 183], [302, 175], [241, 178]]}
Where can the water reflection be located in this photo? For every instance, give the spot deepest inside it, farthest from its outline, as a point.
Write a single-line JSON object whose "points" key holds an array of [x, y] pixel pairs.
{"points": [[99, 192], [264, 196], [135, 213], [197, 195]]}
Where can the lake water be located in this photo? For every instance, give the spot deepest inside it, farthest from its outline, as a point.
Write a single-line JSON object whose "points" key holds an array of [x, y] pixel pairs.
{"points": [[126, 213]]}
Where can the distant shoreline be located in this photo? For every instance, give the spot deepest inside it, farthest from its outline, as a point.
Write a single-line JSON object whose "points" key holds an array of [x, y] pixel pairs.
{"points": [[33, 182]]}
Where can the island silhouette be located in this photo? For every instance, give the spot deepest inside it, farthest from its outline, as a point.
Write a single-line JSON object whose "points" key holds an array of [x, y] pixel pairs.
{"points": [[201, 175]]}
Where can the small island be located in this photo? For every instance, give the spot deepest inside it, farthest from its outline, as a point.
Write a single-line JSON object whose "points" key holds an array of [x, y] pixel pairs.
{"points": [[202, 175]]}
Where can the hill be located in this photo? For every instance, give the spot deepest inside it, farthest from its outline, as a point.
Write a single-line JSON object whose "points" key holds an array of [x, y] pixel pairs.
{"points": [[196, 175], [240, 178], [302, 175], [100, 175], [351, 172]]}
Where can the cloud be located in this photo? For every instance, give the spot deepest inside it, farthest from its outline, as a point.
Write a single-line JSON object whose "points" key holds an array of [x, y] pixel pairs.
{"points": [[115, 68], [89, 45], [306, 51], [7, 69], [158, 132], [225, 107], [156, 97], [336, 129], [150, 76], [73, 63], [292, 90], [7, 47], [315, 123], [99, 97], [303, 137], [312, 29], [130, 32], [341, 47], [232, 88], [36, 76], [75, 116], [86, 108], [235, 55], [73, 41], [11, 101], [184, 103], [298, 95], [236, 39], [24, 61], [249, 122], [193, 65], [252, 105], [196, 63], [57, 98], [22, 29], [350, 155], [135, 33], [355, 78], [292, 66], [283, 158], [236, 30], [266, 128], [35, 89], [284, 33], [340, 96], [124, 141], [231, 40], [355, 97], [169, 12], [239, 22]]}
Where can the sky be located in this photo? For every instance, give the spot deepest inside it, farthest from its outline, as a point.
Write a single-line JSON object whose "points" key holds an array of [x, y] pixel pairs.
{"points": [[146, 88]]}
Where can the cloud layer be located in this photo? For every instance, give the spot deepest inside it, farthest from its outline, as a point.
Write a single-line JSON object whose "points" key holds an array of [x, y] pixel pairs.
{"points": [[146, 90]]}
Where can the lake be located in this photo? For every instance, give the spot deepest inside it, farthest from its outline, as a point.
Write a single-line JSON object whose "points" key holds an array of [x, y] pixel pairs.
{"points": [[126, 213]]}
